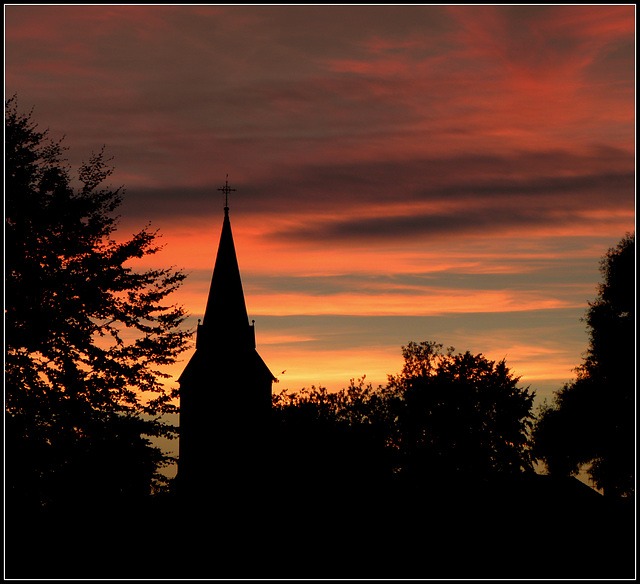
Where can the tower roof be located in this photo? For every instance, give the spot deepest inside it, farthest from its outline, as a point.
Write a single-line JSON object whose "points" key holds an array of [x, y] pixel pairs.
{"points": [[225, 304], [225, 336]]}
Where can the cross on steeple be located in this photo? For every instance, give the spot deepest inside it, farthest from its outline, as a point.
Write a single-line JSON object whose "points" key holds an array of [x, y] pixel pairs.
{"points": [[226, 189]]}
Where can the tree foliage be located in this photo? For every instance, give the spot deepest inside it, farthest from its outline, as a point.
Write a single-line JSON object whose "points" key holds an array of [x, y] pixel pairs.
{"points": [[460, 414], [591, 420], [444, 416], [332, 436], [86, 333]]}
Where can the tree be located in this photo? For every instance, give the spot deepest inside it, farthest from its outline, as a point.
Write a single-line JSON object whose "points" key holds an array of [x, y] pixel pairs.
{"points": [[86, 334], [591, 420], [459, 415]]}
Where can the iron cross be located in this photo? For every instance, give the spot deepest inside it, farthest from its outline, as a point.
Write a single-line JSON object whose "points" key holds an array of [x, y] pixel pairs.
{"points": [[226, 189]]}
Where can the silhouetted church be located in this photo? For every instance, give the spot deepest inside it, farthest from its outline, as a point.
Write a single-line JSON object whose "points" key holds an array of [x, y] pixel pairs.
{"points": [[225, 389]]}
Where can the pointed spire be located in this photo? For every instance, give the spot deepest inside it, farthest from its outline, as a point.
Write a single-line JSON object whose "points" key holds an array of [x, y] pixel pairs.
{"points": [[225, 324], [225, 335], [225, 305]]}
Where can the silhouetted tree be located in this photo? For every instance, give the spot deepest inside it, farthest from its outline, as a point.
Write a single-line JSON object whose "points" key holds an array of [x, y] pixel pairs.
{"points": [[460, 415], [334, 436], [86, 334], [591, 419]]}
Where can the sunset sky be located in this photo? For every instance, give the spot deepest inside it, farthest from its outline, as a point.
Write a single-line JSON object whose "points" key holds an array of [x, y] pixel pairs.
{"points": [[443, 173]]}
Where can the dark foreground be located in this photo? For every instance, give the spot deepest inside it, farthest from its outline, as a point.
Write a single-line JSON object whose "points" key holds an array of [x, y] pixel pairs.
{"points": [[519, 529]]}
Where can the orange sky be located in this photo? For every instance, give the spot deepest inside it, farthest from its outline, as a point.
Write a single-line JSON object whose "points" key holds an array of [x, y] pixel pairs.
{"points": [[444, 173]]}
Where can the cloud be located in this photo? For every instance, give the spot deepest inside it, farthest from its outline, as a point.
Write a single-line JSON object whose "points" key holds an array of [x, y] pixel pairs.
{"points": [[280, 96], [602, 176], [424, 303], [546, 42], [486, 209]]}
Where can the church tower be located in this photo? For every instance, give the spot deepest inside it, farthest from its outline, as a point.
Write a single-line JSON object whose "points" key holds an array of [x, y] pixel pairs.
{"points": [[225, 389]]}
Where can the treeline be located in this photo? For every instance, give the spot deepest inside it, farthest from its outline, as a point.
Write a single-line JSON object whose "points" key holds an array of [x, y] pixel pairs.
{"points": [[444, 415]]}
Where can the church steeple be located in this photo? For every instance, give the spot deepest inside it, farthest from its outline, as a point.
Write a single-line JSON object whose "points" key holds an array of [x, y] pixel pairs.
{"points": [[225, 318], [225, 389]]}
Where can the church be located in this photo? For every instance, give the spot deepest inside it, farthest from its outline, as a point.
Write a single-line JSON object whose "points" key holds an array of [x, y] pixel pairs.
{"points": [[225, 389]]}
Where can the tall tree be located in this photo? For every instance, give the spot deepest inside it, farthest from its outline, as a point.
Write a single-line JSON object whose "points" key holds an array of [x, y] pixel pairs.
{"points": [[86, 334], [460, 415], [591, 420]]}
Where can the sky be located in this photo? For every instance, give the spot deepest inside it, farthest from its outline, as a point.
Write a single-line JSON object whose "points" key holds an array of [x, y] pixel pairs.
{"points": [[403, 173]]}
